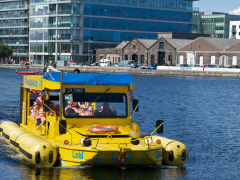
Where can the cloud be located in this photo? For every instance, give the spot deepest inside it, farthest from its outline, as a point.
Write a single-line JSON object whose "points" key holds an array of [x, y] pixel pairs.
{"points": [[235, 11]]}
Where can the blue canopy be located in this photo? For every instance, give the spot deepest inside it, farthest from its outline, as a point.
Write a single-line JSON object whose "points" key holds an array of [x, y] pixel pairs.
{"points": [[90, 78]]}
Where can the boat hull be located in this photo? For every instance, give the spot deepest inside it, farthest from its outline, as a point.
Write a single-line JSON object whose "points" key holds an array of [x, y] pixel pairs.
{"points": [[34, 150], [28, 72], [41, 153]]}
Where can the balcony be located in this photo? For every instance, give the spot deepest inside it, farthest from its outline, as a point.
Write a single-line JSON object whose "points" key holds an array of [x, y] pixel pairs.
{"points": [[14, 8]]}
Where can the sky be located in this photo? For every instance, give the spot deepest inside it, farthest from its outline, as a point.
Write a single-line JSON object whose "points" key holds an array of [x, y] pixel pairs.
{"points": [[226, 6]]}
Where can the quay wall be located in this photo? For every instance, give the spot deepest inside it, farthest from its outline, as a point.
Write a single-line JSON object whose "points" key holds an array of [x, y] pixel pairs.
{"points": [[162, 70]]}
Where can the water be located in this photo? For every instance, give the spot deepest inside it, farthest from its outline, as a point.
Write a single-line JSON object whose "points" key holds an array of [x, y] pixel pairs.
{"points": [[201, 112]]}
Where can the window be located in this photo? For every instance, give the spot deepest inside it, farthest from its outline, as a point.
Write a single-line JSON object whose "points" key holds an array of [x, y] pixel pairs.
{"points": [[142, 59], [81, 105], [161, 45], [152, 59]]}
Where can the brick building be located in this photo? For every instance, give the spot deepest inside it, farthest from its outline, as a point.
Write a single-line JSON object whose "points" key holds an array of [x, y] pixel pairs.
{"points": [[215, 51]]}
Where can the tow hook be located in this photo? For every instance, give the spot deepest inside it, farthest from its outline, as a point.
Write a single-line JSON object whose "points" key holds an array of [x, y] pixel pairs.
{"points": [[123, 150]]}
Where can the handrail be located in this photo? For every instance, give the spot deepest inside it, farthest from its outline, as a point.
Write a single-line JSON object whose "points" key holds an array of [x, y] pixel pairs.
{"points": [[134, 112], [58, 121], [156, 129]]}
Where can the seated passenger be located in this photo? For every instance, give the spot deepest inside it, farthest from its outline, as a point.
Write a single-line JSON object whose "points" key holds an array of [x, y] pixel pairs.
{"points": [[90, 111], [114, 112], [73, 106], [68, 111], [106, 110], [95, 113]]}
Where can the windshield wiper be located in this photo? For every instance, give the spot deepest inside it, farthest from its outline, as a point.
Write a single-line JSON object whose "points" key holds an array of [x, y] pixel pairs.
{"points": [[101, 95]]}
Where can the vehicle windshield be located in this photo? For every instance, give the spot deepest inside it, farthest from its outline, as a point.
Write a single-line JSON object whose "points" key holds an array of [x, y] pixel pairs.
{"points": [[95, 105]]}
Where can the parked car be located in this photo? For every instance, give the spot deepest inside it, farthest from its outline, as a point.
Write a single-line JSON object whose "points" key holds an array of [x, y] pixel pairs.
{"points": [[195, 65], [24, 62], [114, 64], [153, 65], [128, 63], [139, 64], [184, 65], [220, 66], [210, 66], [72, 63], [104, 62], [94, 64], [236, 67]]}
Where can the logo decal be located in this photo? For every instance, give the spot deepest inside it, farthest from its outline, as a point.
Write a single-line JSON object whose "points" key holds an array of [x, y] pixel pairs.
{"points": [[78, 155], [158, 154], [44, 158]]}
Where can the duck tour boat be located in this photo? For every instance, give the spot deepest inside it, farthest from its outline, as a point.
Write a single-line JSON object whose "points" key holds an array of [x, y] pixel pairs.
{"points": [[73, 119]]}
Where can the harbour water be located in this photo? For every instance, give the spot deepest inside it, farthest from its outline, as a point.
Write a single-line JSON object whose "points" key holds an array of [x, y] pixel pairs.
{"points": [[201, 112]]}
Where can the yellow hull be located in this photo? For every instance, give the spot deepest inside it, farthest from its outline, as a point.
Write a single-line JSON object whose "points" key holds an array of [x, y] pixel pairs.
{"points": [[79, 157], [40, 152], [34, 150]]}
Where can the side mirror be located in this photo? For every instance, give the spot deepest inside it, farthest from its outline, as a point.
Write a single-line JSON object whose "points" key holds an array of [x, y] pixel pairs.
{"points": [[159, 130], [62, 127], [134, 104], [47, 102]]}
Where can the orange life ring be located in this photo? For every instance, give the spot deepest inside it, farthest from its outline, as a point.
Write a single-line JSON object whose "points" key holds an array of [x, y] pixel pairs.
{"points": [[102, 129]]}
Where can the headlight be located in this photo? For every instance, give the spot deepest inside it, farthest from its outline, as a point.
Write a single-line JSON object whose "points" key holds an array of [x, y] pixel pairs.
{"points": [[147, 140], [82, 140], [85, 141]]}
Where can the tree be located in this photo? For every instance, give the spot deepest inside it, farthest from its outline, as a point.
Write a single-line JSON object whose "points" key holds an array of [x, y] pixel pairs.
{"points": [[5, 50]]}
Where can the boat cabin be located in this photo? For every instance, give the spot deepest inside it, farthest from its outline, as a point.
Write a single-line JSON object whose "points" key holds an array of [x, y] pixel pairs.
{"points": [[87, 100]]}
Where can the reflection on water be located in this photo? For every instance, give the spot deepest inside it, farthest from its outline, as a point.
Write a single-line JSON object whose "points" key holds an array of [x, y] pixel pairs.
{"points": [[100, 173], [203, 113]]}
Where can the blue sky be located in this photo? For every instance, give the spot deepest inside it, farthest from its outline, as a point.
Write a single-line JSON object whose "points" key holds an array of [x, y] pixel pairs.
{"points": [[217, 5]]}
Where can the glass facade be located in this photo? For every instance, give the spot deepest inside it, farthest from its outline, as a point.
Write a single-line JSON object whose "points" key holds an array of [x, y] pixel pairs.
{"points": [[71, 30], [14, 26], [215, 24]]}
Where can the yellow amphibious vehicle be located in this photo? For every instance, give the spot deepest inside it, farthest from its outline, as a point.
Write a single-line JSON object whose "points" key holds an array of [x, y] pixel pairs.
{"points": [[86, 121]]}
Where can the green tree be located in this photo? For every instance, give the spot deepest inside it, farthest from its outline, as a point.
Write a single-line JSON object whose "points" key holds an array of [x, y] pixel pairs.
{"points": [[5, 50]]}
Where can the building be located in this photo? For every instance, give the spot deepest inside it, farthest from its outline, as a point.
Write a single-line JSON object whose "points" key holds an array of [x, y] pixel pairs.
{"points": [[14, 27], [61, 30], [146, 51], [214, 51], [234, 30], [214, 23]]}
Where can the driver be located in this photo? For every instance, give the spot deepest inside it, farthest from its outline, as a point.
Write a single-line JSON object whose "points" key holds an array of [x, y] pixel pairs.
{"points": [[106, 110]]}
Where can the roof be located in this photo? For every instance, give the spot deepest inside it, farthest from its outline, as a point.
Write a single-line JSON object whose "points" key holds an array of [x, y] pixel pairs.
{"points": [[178, 43], [147, 42], [90, 78], [222, 43], [121, 45]]}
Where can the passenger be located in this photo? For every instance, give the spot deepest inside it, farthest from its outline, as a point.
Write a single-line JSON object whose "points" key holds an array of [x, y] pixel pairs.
{"points": [[56, 109], [76, 71], [90, 111], [114, 112], [73, 106], [84, 110], [35, 114], [68, 111], [52, 106], [95, 113], [106, 110]]}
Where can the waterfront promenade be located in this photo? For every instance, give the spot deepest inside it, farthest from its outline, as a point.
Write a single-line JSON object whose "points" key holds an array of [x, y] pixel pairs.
{"points": [[164, 70]]}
